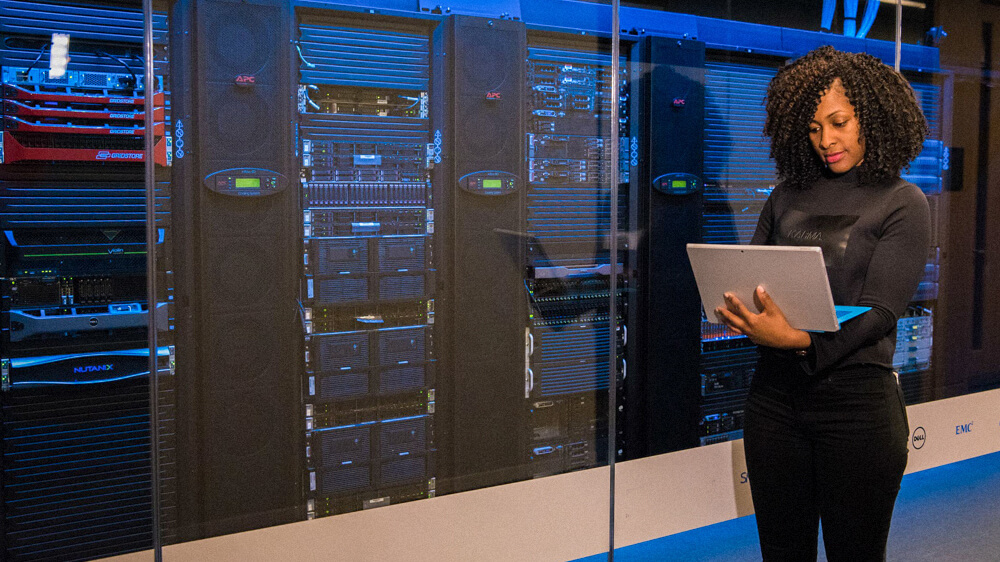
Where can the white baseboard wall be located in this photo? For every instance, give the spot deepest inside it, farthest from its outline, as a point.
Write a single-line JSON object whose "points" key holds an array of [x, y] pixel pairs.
{"points": [[566, 517]]}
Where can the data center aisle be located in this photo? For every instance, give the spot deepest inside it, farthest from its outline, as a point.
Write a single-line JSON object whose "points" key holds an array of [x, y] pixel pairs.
{"points": [[943, 514]]}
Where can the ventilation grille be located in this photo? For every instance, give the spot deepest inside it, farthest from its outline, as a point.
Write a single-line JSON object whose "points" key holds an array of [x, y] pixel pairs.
{"points": [[91, 22], [349, 56], [736, 151]]}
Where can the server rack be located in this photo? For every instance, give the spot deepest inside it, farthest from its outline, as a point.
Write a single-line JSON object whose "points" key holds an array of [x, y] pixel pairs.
{"points": [[76, 476], [569, 231], [739, 177], [368, 283], [913, 359]]}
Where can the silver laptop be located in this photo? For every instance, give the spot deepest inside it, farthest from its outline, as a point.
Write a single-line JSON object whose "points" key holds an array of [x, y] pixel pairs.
{"points": [[794, 276]]}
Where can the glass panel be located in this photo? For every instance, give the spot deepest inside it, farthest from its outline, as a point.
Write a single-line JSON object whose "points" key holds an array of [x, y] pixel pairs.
{"points": [[698, 82], [390, 276], [714, 102], [963, 360], [75, 479]]}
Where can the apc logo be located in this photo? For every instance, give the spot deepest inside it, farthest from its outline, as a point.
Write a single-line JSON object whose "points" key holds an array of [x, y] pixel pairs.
{"points": [[919, 437], [493, 96], [246, 80], [94, 368]]}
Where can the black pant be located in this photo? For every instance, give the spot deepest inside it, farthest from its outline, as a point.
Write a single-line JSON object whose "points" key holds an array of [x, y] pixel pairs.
{"points": [[831, 449]]}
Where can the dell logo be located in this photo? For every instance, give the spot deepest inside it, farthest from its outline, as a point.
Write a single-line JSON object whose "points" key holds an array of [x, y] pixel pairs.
{"points": [[919, 437], [960, 429]]}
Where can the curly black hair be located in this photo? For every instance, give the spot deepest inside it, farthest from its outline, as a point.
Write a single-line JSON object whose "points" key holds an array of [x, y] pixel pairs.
{"points": [[891, 122]]}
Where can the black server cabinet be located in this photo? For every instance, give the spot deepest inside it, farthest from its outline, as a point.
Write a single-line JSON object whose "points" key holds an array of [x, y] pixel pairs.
{"points": [[239, 349], [75, 474], [667, 109], [479, 192]]}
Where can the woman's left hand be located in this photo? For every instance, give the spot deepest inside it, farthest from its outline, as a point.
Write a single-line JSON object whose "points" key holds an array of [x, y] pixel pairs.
{"points": [[769, 328]]}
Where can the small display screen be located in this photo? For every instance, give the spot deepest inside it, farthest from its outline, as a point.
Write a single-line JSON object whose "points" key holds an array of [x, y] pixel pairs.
{"points": [[678, 183], [492, 184], [244, 183]]}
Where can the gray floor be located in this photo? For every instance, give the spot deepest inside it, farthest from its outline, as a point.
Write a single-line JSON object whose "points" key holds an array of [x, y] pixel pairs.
{"points": [[949, 513]]}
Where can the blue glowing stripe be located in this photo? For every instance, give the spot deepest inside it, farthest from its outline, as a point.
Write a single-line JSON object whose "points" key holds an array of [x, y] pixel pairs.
{"points": [[342, 427], [78, 383], [9, 234], [22, 362], [391, 420]]}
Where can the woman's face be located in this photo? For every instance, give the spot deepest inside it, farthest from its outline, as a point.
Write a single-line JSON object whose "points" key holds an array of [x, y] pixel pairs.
{"points": [[834, 131]]}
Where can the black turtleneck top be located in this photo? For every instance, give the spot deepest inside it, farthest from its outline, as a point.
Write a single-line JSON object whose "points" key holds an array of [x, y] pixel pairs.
{"points": [[875, 241]]}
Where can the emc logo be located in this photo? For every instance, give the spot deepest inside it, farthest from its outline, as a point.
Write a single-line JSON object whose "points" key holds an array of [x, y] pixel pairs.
{"points": [[919, 437]]}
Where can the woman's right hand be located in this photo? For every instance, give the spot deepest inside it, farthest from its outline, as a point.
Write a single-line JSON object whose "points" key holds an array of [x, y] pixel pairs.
{"points": [[768, 328]]}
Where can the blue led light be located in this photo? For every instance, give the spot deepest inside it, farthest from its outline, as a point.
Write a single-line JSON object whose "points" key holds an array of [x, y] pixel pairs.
{"points": [[77, 383]]}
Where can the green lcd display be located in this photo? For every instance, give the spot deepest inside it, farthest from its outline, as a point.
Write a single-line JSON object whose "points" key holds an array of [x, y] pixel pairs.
{"points": [[492, 184], [678, 184], [244, 183]]}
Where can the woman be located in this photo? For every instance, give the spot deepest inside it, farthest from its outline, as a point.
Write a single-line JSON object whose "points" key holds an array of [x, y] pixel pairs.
{"points": [[825, 431]]}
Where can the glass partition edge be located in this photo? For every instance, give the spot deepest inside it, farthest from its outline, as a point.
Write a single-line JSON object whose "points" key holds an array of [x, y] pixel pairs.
{"points": [[151, 286]]}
